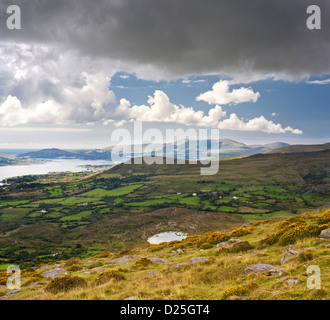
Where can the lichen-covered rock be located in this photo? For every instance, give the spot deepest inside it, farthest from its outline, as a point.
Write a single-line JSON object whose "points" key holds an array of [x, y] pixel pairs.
{"points": [[49, 266], [291, 252], [260, 267], [227, 243], [325, 234], [195, 260], [160, 260], [54, 273], [119, 260], [135, 256], [178, 251], [266, 291], [291, 281], [179, 265]]}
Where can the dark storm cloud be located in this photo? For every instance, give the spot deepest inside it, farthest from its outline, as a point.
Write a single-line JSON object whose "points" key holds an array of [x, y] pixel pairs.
{"points": [[254, 38]]}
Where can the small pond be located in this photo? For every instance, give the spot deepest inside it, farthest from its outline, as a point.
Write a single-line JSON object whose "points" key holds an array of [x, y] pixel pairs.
{"points": [[166, 237]]}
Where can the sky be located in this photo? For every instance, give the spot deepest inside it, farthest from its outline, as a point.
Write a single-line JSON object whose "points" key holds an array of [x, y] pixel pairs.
{"points": [[79, 70]]}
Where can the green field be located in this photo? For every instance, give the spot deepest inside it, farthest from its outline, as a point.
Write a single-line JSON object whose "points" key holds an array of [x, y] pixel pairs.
{"points": [[122, 206], [54, 214], [13, 203], [227, 209], [55, 192], [193, 201], [149, 203], [100, 193], [78, 200], [118, 200], [4, 266], [13, 214], [35, 214], [77, 217]]}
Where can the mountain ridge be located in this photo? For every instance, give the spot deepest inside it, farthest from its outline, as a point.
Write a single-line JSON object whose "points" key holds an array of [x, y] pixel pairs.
{"points": [[301, 148], [226, 147]]}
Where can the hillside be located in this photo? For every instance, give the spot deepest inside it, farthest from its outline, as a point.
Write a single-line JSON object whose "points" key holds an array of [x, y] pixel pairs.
{"points": [[301, 148], [261, 260], [6, 160], [52, 153], [120, 208]]}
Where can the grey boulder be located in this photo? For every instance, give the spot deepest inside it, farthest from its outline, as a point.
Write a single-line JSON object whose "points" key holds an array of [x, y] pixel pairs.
{"points": [[260, 267], [325, 234], [195, 260]]}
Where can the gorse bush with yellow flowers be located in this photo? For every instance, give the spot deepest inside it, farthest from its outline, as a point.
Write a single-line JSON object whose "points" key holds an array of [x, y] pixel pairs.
{"points": [[123, 252], [295, 233], [324, 218], [72, 261], [239, 232], [3, 278], [296, 228], [74, 267], [216, 237], [240, 246], [65, 283], [157, 247], [142, 262], [233, 291], [206, 245], [103, 254], [192, 273], [106, 276], [95, 264]]}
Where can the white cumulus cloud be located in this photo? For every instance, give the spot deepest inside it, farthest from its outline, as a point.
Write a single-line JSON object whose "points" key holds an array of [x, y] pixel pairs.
{"points": [[256, 124], [160, 109], [220, 94]]}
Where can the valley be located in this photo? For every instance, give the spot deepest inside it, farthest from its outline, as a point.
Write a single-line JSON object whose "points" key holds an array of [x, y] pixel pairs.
{"points": [[51, 217]]}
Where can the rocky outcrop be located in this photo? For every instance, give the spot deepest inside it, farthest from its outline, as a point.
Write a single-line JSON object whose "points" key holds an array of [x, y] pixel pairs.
{"points": [[195, 260], [119, 260], [260, 267], [325, 234], [160, 260], [291, 252], [10, 293], [176, 252], [291, 281], [122, 259], [54, 273], [49, 266], [228, 243]]}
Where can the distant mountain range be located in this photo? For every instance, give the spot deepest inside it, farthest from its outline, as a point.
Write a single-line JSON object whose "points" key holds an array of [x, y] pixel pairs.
{"points": [[227, 148], [302, 148]]}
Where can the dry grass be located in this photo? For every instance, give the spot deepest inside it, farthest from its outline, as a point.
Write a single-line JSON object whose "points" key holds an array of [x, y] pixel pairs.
{"points": [[220, 277]]}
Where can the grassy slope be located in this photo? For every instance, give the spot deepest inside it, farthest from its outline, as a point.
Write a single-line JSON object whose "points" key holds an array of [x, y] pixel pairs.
{"points": [[281, 177], [267, 169], [220, 277], [6, 160]]}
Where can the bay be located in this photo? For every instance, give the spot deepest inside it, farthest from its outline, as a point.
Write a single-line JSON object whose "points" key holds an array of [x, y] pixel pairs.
{"points": [[58, 165]]}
